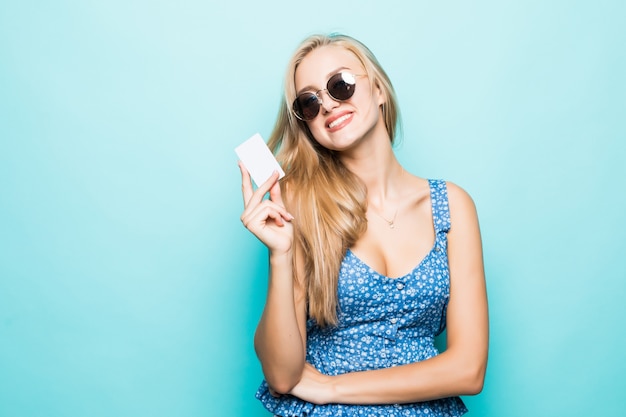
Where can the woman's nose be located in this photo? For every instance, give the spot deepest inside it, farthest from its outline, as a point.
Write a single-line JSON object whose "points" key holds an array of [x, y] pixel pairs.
{"points": [[327, 101]]}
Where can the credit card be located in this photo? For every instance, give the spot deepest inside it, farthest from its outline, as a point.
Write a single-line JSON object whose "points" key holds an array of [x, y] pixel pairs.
{"points": [[258, 159]]}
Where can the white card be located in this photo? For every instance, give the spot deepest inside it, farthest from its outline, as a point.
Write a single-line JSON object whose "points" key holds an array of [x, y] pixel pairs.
{"points": [[258, 159]]}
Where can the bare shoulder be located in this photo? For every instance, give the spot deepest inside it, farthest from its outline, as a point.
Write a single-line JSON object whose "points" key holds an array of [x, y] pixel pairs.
{"points": [[458, 197], [462, 207]]}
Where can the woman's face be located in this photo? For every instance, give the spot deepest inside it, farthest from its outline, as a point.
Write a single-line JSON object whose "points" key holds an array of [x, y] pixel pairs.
{"points": [[339, 125]]}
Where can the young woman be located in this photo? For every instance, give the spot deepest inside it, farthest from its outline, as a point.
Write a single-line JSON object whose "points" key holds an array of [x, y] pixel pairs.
{"points": [[368, 263]]}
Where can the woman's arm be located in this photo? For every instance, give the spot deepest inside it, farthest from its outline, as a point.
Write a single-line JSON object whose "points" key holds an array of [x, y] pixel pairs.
{"points": [[461, 368], [280, 338], [280, 335]]}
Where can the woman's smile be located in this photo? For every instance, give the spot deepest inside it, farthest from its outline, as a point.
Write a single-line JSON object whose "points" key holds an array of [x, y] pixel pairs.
{"points": [[338, 121]]}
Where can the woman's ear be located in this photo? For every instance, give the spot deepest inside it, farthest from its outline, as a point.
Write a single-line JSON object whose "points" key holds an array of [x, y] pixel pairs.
{"points": [[381, 97]]}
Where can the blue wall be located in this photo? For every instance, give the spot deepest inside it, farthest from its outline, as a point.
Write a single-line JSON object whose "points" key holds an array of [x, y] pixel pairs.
{"points": [[128, 287]]}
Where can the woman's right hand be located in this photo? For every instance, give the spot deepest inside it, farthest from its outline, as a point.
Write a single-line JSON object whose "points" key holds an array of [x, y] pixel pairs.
{"points": [[267, 219]]}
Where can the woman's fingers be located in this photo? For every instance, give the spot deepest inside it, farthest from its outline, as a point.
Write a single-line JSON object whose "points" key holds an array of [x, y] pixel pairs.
{"points": [[275, 194], [266, 218], [251, 197], [264, 211], [269, 222], [246, 183]]}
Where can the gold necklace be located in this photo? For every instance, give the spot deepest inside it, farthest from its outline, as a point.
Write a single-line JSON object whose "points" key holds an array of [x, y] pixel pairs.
{"points": [[389, 222]]}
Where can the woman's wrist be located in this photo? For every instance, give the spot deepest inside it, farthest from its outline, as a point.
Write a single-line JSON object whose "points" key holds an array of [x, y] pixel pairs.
{"points": [[332, 392], [280, 257]]}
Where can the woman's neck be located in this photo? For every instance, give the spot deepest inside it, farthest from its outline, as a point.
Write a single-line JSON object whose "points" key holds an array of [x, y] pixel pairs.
{"points": [[379, 170]]}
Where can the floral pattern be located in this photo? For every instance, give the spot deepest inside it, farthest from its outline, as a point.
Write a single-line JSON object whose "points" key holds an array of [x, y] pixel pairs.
{"points": [[382, 322]]}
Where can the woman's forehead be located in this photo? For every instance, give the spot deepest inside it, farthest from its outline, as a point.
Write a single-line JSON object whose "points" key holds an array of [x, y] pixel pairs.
{"points": [[322, 62]]}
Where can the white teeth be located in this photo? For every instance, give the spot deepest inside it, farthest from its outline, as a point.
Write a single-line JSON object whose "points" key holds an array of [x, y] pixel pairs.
{"points": [[337, 121]]}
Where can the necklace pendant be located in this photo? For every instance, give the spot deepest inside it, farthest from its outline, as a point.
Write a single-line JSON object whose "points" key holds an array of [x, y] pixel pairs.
{"points": [[390, 223]]}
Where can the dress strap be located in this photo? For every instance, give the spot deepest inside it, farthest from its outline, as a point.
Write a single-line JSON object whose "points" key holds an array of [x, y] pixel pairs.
{"points": [[439, 203]]}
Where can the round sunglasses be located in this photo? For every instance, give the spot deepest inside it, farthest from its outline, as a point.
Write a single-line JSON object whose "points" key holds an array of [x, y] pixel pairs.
{"points": [[340, 87]]}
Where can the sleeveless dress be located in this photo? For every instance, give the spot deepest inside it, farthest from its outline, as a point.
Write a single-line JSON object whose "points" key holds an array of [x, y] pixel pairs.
{"points": [[382, 322]]}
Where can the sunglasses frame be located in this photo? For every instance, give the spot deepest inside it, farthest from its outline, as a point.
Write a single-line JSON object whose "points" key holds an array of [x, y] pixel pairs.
{"points": [[295, 106]]}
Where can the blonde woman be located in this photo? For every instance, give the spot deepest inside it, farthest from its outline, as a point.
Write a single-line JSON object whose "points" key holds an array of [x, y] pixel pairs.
{"points": [[367, 263]]}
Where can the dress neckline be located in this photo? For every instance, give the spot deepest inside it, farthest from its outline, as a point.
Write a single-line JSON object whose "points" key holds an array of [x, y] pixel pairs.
{"points": [[408, 274]]}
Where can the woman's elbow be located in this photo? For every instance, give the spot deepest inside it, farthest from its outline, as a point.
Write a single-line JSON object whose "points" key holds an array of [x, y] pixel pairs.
{"points": [[474, 380], [282, 384], [474, 387]]}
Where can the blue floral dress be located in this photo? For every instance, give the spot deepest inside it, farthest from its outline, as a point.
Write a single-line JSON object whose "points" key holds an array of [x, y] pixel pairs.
{"points": [[382, 322]]}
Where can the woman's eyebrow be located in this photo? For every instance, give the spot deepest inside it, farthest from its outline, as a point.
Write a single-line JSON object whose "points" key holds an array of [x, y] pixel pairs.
{"points": [[330, 74]]}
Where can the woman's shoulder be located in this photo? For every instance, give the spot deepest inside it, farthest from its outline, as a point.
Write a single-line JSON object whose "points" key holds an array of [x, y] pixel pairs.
{"points": [[458, 195], [456, 191], [461, 205]]}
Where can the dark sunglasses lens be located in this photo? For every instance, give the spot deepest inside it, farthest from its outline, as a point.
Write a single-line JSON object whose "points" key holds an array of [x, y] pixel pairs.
{"points": [[306, 106], [341, 86]]}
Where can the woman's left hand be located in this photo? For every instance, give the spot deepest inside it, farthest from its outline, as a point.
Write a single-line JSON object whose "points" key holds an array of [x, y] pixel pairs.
{"points": [[314, 386]]}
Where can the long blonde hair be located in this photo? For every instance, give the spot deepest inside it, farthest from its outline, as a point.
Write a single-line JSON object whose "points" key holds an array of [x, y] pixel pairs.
{"points": [[328, 201]]}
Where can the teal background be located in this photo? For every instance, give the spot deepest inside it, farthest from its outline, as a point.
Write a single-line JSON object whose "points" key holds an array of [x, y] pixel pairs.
{"points": [[128, 286]]}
